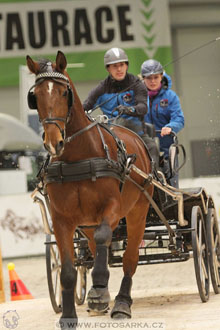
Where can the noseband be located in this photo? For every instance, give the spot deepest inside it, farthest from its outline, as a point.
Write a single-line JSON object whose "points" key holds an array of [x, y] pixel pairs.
{"points": [[60, 79], [53, 120]]}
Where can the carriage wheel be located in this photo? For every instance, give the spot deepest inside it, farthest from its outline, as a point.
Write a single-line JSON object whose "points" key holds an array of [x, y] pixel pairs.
{"points": [[53, 274], [200, 252], [53, 277], [213, 238], [80, 252], [80, 293]]}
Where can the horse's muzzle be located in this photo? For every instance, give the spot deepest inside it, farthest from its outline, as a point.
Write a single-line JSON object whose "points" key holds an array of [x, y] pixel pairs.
{"points": [[55, 151]]}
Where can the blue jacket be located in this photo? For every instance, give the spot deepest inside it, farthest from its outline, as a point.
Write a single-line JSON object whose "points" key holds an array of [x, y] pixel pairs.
{"points": [[165, 110], [108, 94]]}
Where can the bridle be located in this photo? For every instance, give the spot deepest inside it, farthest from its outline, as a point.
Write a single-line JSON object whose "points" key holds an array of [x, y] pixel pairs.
{"points": [[32, 102], [63, 80]]}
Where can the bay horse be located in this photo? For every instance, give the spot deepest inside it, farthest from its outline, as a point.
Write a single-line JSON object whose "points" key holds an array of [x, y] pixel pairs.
{"points": [[96, 200]]}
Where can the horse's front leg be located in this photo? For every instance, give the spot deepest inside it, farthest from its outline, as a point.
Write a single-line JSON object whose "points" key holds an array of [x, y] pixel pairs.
{"points": [[68, 277], [135, 231], [98, 296]]}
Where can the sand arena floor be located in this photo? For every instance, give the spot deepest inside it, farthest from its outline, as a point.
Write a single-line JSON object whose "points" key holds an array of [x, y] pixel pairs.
{"points": [[164, 297]]}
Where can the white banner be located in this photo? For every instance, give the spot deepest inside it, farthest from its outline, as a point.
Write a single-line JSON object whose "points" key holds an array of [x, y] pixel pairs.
{"points": [[85, 25]]}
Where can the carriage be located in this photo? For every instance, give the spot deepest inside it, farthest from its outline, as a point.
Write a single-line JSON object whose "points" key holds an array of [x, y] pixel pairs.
{"points": [[181, 224], [101, 193]]}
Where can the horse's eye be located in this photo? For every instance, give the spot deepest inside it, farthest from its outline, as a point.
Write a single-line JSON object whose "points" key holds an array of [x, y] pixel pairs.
{"points": [[65, 93]]}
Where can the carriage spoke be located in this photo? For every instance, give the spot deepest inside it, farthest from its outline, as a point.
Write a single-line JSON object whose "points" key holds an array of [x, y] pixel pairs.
{"points": [[57, 288], [215, 244], [81, 285], [55, 269], [201, 251], [216, 263], [54, 256], [216, 269], [203, 268]]}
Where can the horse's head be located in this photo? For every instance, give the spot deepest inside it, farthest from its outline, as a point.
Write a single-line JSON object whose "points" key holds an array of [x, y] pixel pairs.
{"points": [[52, 96]]}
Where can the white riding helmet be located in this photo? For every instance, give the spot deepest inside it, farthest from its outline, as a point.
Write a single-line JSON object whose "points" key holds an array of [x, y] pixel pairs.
{"points": [[115, 55]]}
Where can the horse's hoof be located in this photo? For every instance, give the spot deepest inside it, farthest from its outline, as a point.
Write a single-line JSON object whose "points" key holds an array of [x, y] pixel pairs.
{"points": [[68, 323], [98, 300], [120, 316], [97, 309], [98, 295], [121, 310]]}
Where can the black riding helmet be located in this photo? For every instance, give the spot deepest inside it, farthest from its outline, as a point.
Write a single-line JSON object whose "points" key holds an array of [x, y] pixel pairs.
{"points": [[150, 67]]}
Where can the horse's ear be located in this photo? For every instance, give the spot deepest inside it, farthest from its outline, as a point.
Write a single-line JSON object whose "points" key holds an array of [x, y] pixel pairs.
{"points": [[32, 65], [61, 62]]}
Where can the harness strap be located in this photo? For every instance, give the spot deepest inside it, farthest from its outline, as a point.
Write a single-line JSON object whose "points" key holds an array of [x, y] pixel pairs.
{"points": [[70, 138], [53, 121], [105, 146], [92, 168], [122, 153]]}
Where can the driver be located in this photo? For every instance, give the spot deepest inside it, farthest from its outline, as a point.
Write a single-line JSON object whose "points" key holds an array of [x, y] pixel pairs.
{"points": [[122, 93], [131, 103]]}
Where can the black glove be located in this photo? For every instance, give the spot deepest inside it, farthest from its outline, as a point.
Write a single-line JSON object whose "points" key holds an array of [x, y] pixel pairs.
{"points": [[123, 110]]}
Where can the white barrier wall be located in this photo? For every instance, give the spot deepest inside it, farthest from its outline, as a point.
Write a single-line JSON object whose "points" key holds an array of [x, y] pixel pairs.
{"points": [[21, 227], [8, 179]]}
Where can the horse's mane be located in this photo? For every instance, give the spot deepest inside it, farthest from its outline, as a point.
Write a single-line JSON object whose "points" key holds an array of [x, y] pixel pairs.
{"points": [[45, 65]]}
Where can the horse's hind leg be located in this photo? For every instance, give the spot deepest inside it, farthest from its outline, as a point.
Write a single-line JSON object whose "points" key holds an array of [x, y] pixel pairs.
{"points": [[68, 277], [98, 296], [135, 231]]}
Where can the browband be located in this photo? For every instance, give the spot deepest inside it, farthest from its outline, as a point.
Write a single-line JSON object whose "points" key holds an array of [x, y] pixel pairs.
{"points": [[51, 75]]}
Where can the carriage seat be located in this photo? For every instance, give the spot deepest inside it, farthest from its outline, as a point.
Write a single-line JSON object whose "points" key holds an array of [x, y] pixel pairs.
{"points": [[150, 130], [193, 190]]}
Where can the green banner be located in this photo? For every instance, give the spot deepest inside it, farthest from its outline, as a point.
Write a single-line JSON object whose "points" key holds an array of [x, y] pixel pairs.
{"points": [[83, 30]]}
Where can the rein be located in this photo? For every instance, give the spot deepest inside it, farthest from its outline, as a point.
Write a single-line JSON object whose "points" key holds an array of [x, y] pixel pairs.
{"points": [[112, 97], [72, 137]]}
